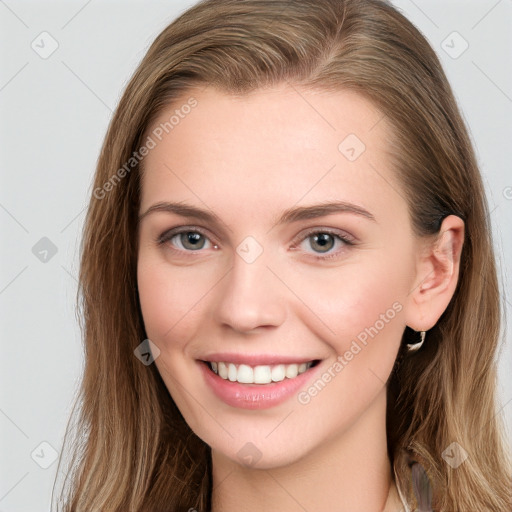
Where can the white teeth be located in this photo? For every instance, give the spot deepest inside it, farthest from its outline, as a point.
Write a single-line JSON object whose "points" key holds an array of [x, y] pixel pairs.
{"points": [[261, 374], [223, 370], [278, 373], [292, 370], [232, 371], [245, 374]]}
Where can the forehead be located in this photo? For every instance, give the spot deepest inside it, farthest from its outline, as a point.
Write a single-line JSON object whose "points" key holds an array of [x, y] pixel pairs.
{"points": [[270, 147]]}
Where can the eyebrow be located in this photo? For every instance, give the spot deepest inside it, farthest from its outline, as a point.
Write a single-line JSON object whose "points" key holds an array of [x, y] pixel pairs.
{"points": [[289, 216]]}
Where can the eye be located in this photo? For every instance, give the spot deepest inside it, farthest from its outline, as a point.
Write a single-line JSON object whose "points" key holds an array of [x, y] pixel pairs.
{"points": [[190, 239], [322, 241], [185, 239]]}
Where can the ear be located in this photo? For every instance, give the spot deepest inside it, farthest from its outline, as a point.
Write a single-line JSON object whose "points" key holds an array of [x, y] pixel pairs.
{"points": [[437, 273]]}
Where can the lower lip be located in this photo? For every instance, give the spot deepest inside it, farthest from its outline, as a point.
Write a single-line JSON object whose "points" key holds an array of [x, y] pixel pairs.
{"points": [[254, 396]]}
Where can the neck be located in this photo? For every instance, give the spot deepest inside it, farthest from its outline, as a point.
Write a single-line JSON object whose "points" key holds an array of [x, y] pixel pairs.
{"points": [[349, 472]]}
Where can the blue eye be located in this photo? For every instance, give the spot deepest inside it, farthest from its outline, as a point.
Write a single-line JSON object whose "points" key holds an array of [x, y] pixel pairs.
{"points": [[322, 241], [325, 241], [191, 239]]}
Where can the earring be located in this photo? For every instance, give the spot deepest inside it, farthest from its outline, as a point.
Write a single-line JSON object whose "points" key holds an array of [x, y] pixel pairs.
{"points": [[416, 346]]}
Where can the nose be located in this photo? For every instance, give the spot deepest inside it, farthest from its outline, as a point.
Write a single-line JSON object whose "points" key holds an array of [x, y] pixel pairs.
{"points": [[251, 297]]}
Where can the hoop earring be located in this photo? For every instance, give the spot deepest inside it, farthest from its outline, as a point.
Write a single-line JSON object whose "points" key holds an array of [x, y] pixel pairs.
{"points": [[416, 346]]}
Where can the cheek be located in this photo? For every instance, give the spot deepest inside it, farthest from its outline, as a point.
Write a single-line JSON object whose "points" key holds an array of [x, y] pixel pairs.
{"points": [[362, 315], [353, 302], [170, 299], [170, 302]]}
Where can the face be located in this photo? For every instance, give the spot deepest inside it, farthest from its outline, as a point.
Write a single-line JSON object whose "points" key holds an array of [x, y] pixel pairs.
{"points": [[277, 291]]}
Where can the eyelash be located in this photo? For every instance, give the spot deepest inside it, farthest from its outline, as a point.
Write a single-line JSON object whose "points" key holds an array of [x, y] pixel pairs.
{"points": [[167, 236]]}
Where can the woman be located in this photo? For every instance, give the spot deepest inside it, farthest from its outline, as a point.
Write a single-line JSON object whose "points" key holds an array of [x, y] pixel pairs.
{"points": [[288, 284]]}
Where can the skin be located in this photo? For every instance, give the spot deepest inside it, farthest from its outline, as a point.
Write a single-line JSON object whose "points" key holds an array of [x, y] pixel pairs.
{"points": [[247, 159]]}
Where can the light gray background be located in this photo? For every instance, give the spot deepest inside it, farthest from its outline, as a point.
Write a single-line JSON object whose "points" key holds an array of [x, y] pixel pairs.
{"points": [[54, 114]]}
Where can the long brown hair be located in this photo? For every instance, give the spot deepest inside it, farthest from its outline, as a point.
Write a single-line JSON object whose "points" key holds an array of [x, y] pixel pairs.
{"points": [[131, 448]]}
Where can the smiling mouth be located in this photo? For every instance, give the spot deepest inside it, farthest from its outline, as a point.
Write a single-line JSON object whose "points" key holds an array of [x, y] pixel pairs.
{"points": [[260, 374]]}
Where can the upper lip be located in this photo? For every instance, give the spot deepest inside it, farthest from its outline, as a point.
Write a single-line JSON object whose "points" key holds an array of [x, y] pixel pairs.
{"points": [[256, 359]]}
